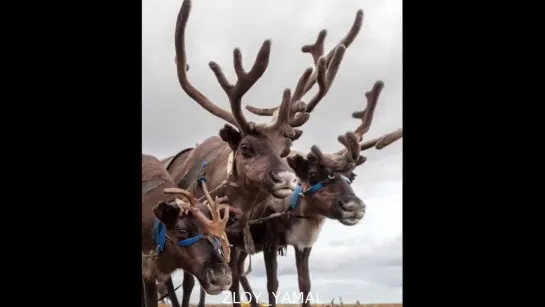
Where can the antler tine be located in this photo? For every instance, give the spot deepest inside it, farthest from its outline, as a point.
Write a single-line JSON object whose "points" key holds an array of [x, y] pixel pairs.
{"points": [[245, 80], [383, 141], [181, 68], [366, 115]]}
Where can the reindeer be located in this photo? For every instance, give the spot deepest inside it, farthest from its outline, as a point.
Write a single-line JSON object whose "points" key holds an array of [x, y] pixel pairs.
{"points": [[325, 190], [244, 163], [177, 235], [325, 193]]}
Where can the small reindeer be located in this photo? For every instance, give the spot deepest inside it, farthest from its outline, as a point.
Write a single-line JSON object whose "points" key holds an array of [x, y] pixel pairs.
{"points": [[176, 234]]}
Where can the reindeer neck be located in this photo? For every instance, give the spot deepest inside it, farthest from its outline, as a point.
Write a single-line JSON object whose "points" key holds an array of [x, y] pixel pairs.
{"points": [[245, 199], [223, 182], [306, 210]]}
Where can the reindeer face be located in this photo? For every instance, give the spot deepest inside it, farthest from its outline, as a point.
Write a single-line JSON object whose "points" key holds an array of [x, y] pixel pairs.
{"points": [[258, 162], [202, 258], [335, 199]]}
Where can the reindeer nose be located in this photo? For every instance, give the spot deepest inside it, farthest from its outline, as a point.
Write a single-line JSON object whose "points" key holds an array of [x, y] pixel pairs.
{"points": [[351, 205], [341, 204], [274, 177]]}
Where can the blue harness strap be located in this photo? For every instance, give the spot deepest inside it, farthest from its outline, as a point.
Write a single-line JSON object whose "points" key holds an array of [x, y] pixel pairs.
{"points": [[296, 196], [160, 236], [298, 193]]}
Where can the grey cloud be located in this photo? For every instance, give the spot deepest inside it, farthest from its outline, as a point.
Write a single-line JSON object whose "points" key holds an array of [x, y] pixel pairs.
{"points": [[172, 121], [372, 276], [383, 264]]}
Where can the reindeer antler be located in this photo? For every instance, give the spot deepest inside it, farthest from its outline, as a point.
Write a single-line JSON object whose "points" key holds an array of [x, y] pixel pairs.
{"points": [[349, 157], [185, 206], [383, 141], [343, 162], [215, 226], [234, 92], [366, 117], [218, 224], [326, 68]]}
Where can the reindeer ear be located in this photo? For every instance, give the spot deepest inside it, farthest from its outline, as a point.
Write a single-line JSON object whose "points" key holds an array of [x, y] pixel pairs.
{"points": [[299, 165], [360, 160], [167, 213], [230, 135]]}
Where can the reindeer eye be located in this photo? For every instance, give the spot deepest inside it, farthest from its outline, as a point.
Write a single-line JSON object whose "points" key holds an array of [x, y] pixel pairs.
{"points": [[245, 150], [182, 231]]}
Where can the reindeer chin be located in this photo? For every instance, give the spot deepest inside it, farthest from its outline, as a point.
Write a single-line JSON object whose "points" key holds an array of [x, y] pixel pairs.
{"points": [[214, 282], [349, 221], [351, 218], [282, 193]]}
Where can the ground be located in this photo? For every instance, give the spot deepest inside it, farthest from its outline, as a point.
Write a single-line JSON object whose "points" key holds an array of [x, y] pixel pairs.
{"points": [[314, 305]]}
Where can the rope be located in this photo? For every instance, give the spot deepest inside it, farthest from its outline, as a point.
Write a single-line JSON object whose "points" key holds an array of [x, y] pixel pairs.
{"points": [[261, 220], [165, 296]]}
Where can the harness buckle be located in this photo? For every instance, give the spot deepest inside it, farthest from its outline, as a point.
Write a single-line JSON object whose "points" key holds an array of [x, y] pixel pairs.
{"points": [[331, 176]]}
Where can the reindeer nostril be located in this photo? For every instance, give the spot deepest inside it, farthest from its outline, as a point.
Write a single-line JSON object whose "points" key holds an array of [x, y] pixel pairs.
{"points": [[274, 177]]}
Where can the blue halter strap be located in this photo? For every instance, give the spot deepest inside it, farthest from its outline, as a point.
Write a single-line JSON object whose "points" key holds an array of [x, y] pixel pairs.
{"points": [[160, 236], [298, 193]]}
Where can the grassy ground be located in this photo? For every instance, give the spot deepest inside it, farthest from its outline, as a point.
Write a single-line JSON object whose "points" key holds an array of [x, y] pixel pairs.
{"points": [[314, 305]]}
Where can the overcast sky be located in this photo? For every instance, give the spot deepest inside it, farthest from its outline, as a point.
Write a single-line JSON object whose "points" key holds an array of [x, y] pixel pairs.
{"points": [[360, 262]]}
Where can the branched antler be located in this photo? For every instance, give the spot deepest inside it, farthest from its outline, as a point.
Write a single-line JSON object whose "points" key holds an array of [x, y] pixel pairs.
{"points": [[218, 224], [366, 117], [215, 226], [245, 80], [326, 68], [349, 157], [343, 162]]}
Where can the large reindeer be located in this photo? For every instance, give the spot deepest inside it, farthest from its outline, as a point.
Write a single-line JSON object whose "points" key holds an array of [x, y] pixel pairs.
{"points": [[245, 164], [176, 234]]}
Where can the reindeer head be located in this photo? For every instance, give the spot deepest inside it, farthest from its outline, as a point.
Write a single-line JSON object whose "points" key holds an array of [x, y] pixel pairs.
{"points": [[257, 148], [327, 178], [188, 239]]}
